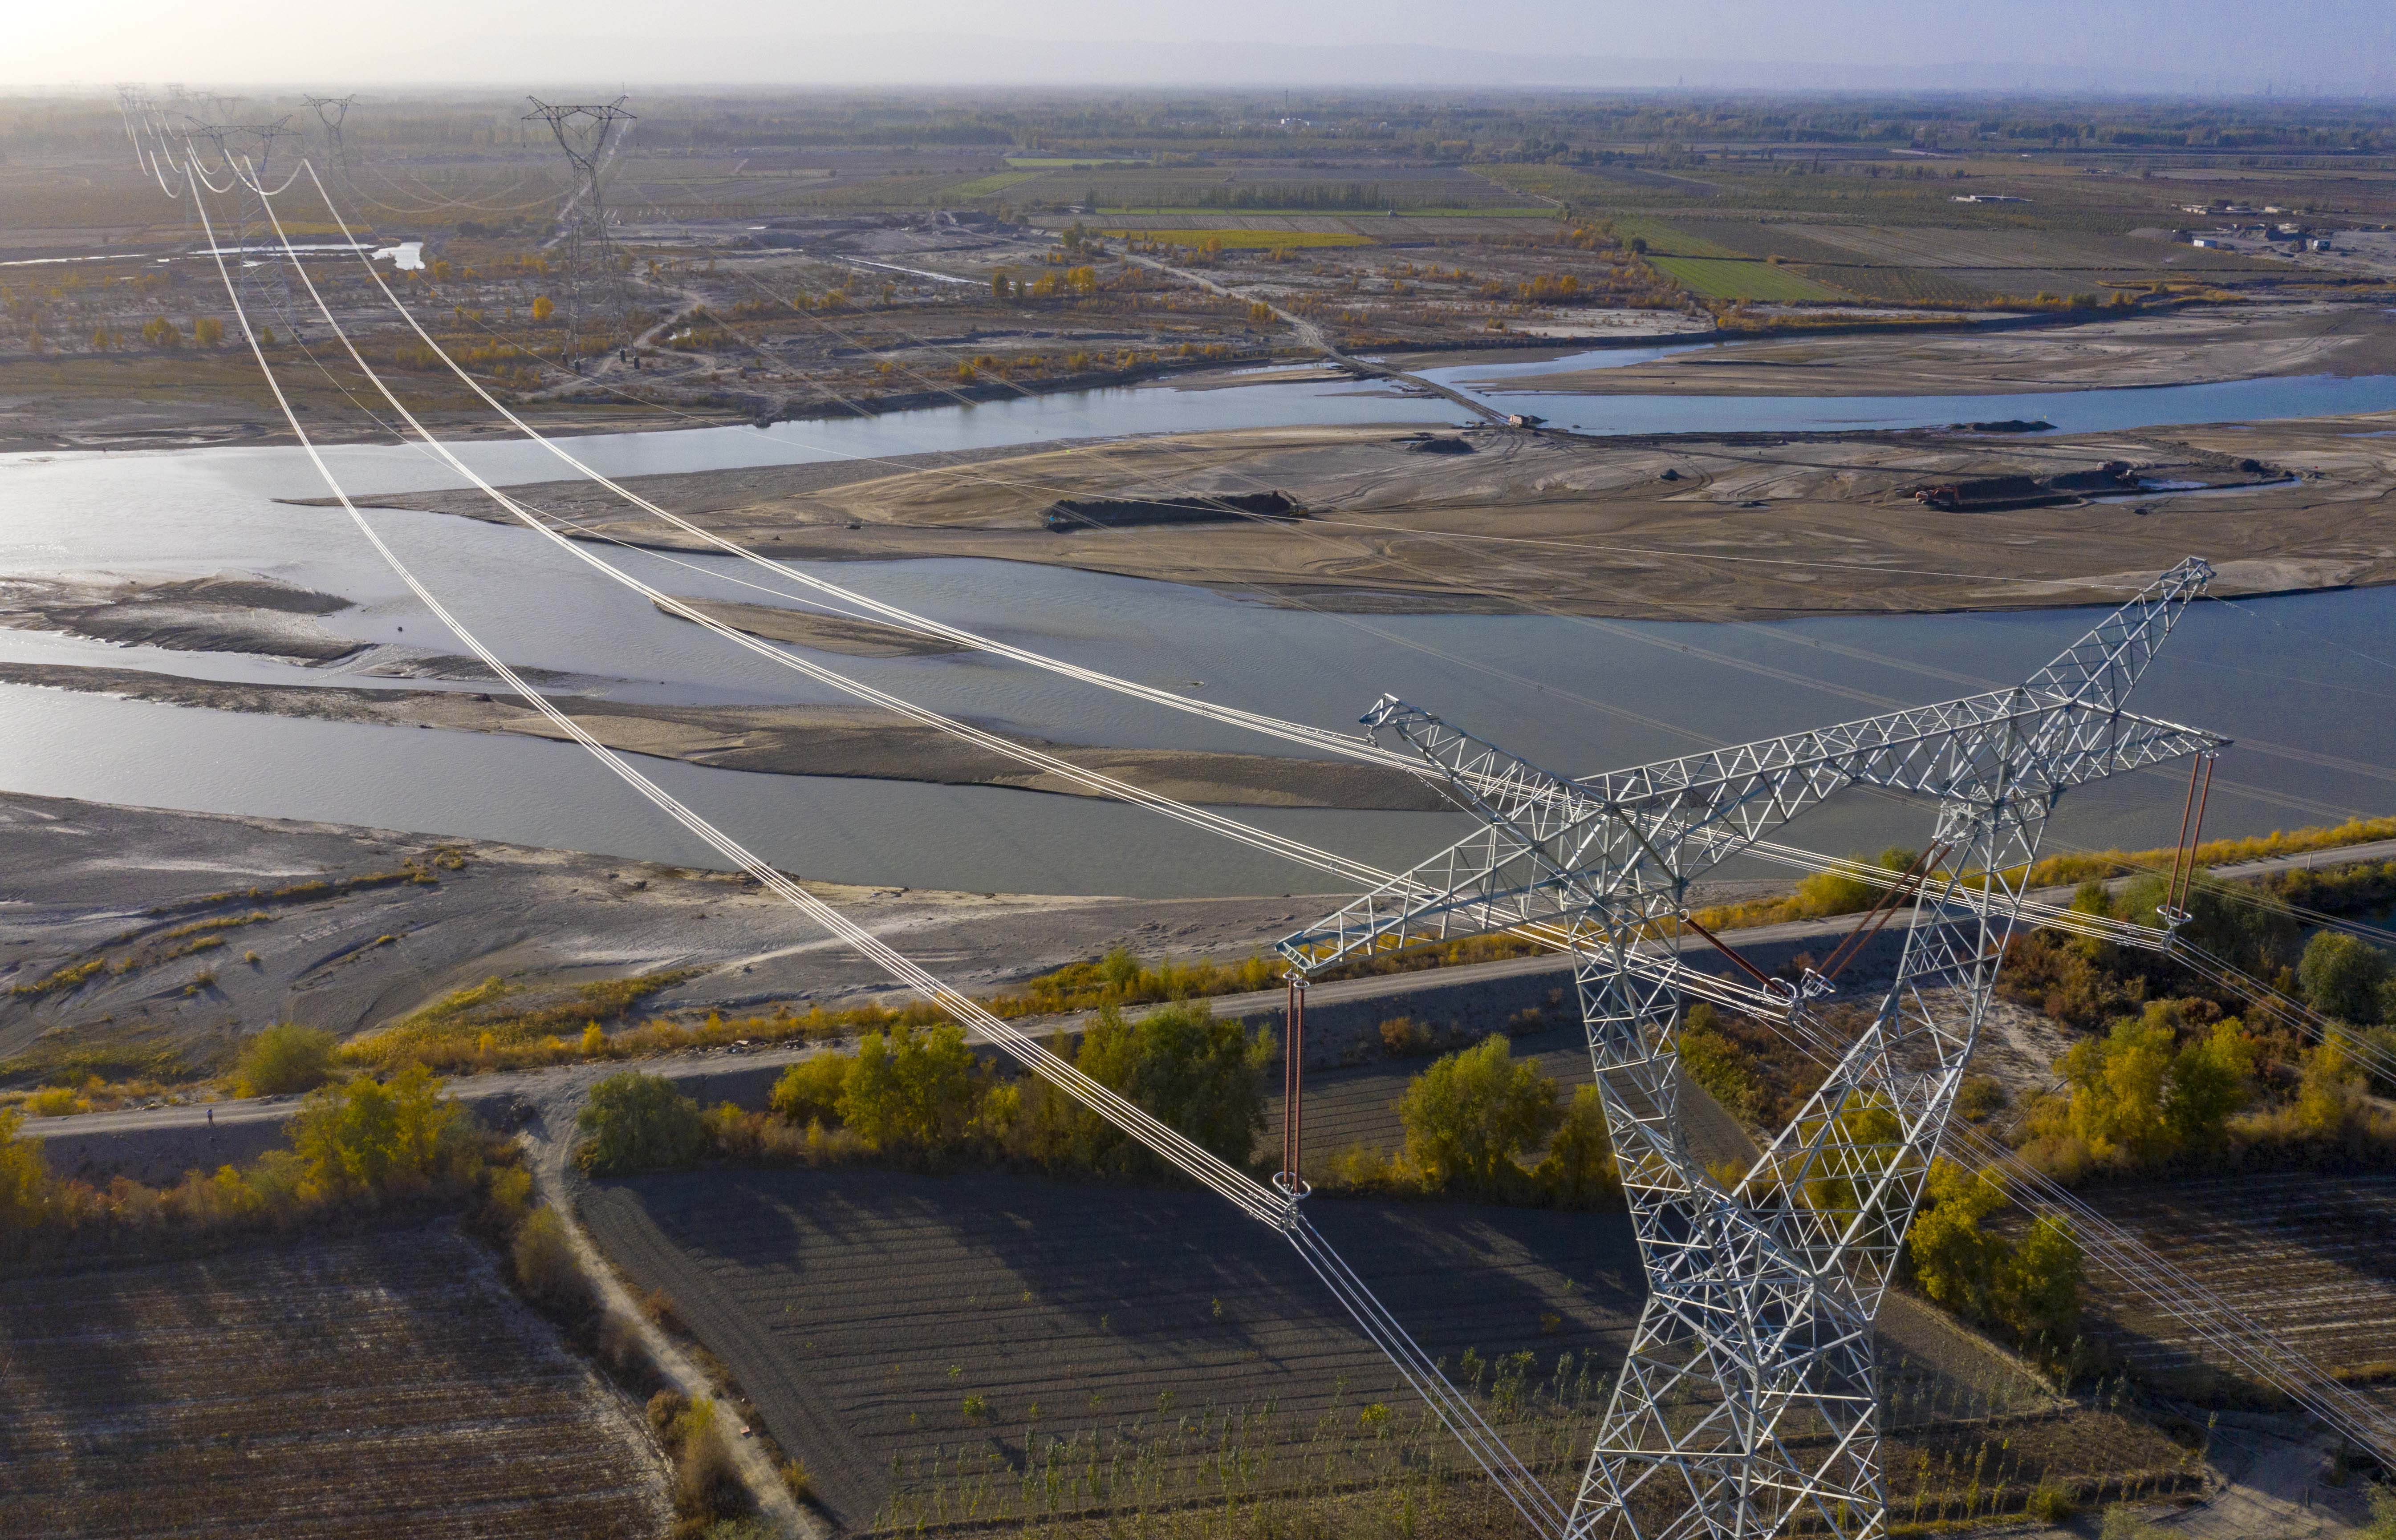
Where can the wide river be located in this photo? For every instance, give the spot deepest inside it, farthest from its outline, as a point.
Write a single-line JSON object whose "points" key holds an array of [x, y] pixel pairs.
{"points": [[2307, 683]]}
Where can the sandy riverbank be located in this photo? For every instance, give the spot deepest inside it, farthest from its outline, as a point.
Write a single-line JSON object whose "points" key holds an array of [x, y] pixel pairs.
{"points": [[91, 880], [1683, 526], [780, 740]]}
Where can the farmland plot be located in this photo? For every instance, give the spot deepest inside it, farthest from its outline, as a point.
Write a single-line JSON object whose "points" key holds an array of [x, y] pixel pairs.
{"points": [[1716, 278], [1826, 262], [2013, 261], [383, 1388], [1935, 1370], [1403, 228], [978, 1347], [2307, 1255]]}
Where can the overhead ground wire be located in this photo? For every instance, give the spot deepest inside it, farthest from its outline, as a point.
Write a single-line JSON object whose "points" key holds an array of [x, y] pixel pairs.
{"points": [[536, 435], [1523, 1491]]}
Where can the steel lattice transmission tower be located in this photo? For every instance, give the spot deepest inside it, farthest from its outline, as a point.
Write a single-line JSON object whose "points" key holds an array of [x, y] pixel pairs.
{"points": [[331, 112], [590, 136], [1749, 1400], [248, 149]]}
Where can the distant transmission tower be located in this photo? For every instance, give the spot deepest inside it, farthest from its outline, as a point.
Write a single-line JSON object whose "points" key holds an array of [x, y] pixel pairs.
{"points": [[248, 150], [329, 111], [589, 134]]}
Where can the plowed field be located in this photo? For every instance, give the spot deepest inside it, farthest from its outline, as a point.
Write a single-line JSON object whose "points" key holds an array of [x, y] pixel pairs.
{"points": [[367, 1390], [2306, 1255], [980, 1347], [975, 1346]]}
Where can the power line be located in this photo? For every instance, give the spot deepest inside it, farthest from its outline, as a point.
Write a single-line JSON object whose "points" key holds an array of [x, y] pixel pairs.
{"points": [[1349, 743]]}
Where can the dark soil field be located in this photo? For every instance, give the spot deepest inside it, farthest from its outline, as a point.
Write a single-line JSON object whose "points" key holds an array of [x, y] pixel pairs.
{"points": [[984, 1348], [2303, 1253], [981, 1346], [383, 1388]]}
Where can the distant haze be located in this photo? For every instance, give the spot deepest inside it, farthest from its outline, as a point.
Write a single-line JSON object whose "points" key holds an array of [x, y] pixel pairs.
{"points": [[2290, 47]]}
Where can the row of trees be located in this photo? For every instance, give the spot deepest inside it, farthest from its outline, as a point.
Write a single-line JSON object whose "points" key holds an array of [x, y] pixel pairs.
{"points": [[919, 1095], [358, 1146], [1478, 1123]]}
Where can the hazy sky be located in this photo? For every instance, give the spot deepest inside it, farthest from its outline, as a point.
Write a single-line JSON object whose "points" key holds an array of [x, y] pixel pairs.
{"points": [[2296, 47]]}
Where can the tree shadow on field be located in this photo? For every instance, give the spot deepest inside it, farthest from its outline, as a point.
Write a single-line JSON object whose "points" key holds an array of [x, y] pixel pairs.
{"points": [[872, 1313]]}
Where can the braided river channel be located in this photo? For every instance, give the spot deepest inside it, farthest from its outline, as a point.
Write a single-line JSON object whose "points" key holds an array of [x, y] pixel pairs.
{"points": [[2307, 683]]}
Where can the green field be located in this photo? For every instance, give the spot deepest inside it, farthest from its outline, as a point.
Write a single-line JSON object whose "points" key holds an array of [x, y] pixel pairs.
{"points": [[1342, 213], [1041, 163], [1550, 181], [1719, 278], [1245, 240], [983, 187], [1671, 241]]}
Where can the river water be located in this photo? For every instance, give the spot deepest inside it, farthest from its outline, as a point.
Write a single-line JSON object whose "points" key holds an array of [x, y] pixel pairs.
{"points": [[2306, 682]]}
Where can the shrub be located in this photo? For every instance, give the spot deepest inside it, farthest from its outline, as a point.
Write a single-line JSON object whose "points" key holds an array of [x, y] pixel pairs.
{"points": [[665, 1411], [637, 1122], [507, 1200], [1717, 1063], [1829, 893], [1121, 979], [1472, 1115], [546, 1268], [1579, 1170], [912, 1088], [56, 1101], [363, 1138], [1980, 1095], [811, 1089], [707, 1482], [2341, 976], [2050, 1504], [284, 1058], [24, 1178]]}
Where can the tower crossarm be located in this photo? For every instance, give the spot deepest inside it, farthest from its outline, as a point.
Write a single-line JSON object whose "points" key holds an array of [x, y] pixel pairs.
{"points": [[1547, 849], [2100, 668], [2065, 724], [1580, 860], [1489, 881]]}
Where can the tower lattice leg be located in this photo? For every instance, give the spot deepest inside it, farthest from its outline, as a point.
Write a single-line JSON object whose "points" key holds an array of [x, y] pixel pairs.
{"points": [[1749, 1400]]}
